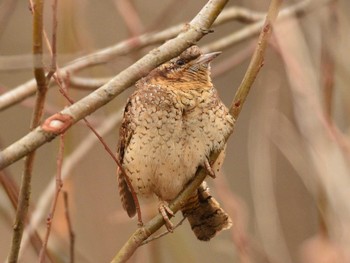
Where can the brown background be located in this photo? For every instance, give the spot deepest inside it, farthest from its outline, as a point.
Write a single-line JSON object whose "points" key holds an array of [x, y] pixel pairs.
{"points": [[101, 227]]}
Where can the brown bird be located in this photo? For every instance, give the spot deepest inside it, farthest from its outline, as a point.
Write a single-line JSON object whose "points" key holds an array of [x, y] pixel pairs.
{"points": [[172, 123]]}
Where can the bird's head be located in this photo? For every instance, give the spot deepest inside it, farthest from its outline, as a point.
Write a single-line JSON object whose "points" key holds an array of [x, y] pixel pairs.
{"points": [[190, 68]]}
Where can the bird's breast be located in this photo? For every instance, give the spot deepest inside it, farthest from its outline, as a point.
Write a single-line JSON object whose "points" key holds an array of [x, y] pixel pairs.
{"points": [[172, 137]]}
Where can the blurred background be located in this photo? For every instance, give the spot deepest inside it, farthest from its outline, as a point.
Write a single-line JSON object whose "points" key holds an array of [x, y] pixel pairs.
{"points": [[285, 180]]}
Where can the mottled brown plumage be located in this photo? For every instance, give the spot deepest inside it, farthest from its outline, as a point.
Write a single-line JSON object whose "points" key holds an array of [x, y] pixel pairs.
{"points": [[171, 124]]}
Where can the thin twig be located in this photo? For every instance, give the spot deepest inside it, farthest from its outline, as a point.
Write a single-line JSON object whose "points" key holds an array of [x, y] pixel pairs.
{"points": [[53, 42], [63, 120], [59, 185], [12, 191], [86, 83], [64, 93], [59, 182], [232, 61], [70, 228], [130, 16], [163, 234], [235, 207], [166, 14], [125, 47], [24, 196], [70, 162], [257, 60], [118, 84], [154, 224]]}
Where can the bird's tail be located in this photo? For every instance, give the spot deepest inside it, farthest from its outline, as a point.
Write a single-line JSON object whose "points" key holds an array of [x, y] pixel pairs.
{"points": [[205, 215]]}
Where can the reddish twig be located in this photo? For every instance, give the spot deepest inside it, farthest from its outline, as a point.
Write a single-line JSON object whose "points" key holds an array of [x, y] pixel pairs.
{"points": [[131, 18], [230, 62], [55, 200], [70, 228], [164, 233], [12, 191], [53, 42], [166, 14], [64, 93], [238, 212], [39, 73]]}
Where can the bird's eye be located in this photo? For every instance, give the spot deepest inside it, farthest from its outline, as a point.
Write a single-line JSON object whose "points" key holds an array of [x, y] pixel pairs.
{"points": [[180, 62]]}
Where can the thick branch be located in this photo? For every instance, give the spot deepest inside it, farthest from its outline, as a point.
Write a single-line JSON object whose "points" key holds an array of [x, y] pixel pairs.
{"points": [[153, 225], [67, 117]]}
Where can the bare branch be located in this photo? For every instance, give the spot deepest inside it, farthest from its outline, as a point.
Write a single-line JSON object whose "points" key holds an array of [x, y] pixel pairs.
{"points": [[67, 117], [59, 185], [70, 228], [154, 224], [70, 163], [130, 16], [24, 195]]}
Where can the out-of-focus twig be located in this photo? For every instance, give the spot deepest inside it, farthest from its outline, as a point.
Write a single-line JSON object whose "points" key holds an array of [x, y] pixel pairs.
{"points": [[53, 45], [6, 10], [322, 147], [166, 15], [12, 191], [256, 62], [154, 224], [125, 47], [39, 73], [86, 83], [63, 120], [234, 207], [70, 228], [70, 162], [59, 185], [232, 61], [131, 18]]}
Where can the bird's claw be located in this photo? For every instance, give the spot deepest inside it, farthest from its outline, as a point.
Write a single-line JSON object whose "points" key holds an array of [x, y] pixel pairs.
{"points": [[209, 169], [166, 212]]}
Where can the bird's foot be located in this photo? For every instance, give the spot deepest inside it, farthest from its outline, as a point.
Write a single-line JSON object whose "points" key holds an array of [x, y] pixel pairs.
{"points": [[166, 212], [209, 168]]}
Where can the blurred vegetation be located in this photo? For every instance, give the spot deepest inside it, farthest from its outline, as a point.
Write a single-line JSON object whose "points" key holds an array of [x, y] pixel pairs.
{"points": [[286, 175]]}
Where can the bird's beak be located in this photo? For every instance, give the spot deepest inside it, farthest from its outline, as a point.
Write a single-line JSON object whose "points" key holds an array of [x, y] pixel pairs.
{"points": [[206, 58]]}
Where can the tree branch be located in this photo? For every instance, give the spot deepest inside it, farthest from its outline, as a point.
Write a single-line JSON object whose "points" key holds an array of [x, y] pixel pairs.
{"points": [[63, 120], [154, 224], [24, 194], [27, 89]]}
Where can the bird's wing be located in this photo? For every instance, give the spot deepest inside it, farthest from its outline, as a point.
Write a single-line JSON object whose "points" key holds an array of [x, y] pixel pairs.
{"points": [[125, 135]]}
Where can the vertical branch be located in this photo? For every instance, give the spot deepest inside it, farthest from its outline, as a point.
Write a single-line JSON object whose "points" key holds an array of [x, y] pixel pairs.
{"points": [[70, 229], [257, 60], [327, 81], [39, 73], [54, 203], [12, 191], [154, 224], [53, 42]]}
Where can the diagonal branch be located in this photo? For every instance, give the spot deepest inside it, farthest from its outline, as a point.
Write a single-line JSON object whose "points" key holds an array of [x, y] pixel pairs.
{"points": [[27, 89], [154, 224], [63, 120]]}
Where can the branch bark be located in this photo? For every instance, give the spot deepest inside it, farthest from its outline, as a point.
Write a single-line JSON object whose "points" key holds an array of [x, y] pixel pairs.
{"points": [[154, 224], [62, 121], [39, 73], [27, 89]]}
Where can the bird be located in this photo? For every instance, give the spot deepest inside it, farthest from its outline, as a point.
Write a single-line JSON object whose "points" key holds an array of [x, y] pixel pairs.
{"points": [[172, 122]]}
